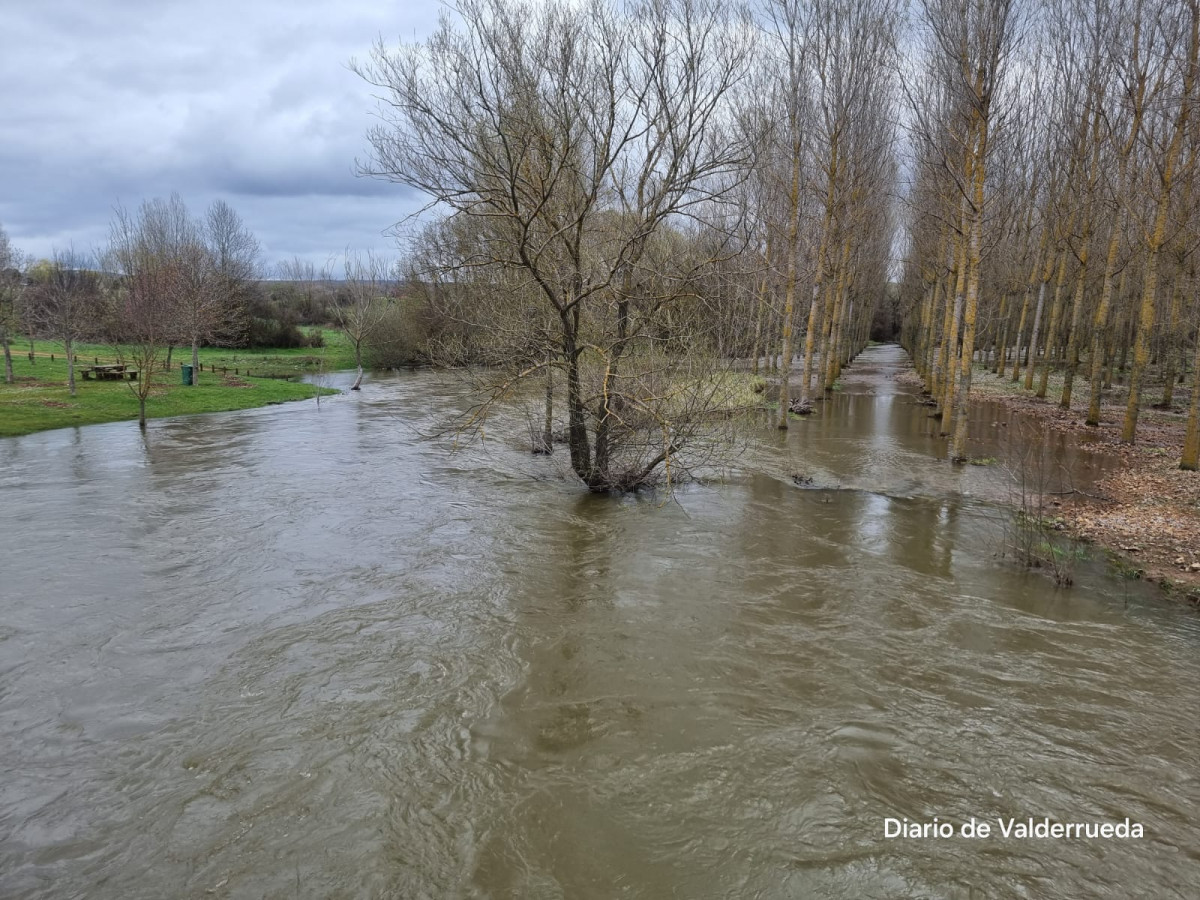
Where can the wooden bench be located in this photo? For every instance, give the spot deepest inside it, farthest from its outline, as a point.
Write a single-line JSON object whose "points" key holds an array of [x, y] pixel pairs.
{"points": [[109, 373]]}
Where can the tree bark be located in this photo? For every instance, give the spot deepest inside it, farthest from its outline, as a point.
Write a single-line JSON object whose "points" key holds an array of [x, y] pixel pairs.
{"points": [[1190, 459], [789, 296], [70, 348], [358, 365], [1157, 236], [958, 450], [1052, 325]]}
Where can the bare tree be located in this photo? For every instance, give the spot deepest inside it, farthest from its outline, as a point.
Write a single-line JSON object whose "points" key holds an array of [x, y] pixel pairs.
{"points": [[1164, 132], [63, 304], [361, 305], [236, 263], [148, 283], [12, 284], [583, 135]]}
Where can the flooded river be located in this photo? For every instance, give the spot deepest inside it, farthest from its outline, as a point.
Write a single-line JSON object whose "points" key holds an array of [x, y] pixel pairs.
{"points": [[294, 652]]}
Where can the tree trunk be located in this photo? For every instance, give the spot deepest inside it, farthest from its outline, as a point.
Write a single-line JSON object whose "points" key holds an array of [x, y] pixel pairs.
{"points": [[8, 364], [1073, 336], [1190, 459], [1171, 342], [70, 348], [823, 333], [548, 424], [1156, 238], [932, 343], [1032, 349], [951, 342], [758, 318], [836, 343], [1145, 326], [958, 450], [1100, 322], [195, 362], [577, 438], [1000, 344], [938, 381], [358, 365], [789, 295], [602, 459], [1052, 325]]}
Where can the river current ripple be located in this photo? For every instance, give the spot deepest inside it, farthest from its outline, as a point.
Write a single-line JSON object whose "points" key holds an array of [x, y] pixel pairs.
{"points": [[294, 652]]}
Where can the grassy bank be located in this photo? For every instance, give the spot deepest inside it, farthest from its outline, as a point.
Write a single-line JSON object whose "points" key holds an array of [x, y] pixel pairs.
{"points": [[40, 400]]}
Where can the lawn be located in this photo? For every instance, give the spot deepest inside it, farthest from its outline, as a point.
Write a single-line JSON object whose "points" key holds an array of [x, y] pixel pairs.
{"points": [[40, 400], [335, 355]]}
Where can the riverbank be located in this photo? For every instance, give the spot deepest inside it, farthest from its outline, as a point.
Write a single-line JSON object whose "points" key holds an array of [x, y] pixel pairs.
{"points": [[1145, 512], [230, 379]]}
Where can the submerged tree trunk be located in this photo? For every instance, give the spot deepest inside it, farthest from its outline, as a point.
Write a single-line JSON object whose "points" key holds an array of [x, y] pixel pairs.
{"points": [[955, 326], [358, 365], [548, 423], [577, 437], [789, 295], [977, 171]]}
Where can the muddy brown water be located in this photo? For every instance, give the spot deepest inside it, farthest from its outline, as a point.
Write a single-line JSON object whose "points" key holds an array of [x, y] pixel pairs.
{"points": [[290, 653]]}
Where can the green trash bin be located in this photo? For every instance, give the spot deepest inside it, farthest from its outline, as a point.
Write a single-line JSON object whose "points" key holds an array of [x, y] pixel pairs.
{"points": [[187, 373]]}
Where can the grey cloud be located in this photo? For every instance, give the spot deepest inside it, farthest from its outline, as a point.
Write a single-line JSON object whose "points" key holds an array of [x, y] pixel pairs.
{"points": [[117, 102]]}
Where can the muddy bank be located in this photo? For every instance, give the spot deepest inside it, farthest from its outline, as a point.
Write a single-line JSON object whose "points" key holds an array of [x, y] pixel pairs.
{"points": [[1145, 511]]}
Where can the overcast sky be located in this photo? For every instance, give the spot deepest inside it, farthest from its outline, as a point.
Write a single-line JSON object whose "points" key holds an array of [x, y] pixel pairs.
{"points": [[108, 102]]}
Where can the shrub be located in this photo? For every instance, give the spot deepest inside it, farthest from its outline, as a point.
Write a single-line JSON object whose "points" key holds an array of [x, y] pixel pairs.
{"points": [[401, 339]]}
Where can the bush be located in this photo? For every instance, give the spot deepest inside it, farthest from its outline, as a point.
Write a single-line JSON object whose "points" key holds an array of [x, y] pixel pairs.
{"points": [[271, 323], [400, 340]]}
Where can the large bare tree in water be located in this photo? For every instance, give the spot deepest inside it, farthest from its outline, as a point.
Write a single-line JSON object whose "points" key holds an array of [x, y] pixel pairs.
{"points": [[587, 138]]}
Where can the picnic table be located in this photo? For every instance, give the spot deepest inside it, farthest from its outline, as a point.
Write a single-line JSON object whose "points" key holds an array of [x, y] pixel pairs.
{"points": [[110, 373]]}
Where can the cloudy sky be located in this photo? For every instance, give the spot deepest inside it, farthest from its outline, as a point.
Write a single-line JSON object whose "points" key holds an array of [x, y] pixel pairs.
{"points": [[109, 102]]}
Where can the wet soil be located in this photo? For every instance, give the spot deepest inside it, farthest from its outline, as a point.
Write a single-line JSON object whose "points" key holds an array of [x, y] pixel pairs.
{"points": [[1146, 510]]}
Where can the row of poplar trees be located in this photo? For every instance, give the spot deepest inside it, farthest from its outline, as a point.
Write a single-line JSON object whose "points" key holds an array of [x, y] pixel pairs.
{"points": [[1053, 215]]}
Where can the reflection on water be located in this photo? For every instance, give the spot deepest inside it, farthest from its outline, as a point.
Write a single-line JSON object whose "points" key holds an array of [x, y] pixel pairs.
{"points": [[291, 652]]}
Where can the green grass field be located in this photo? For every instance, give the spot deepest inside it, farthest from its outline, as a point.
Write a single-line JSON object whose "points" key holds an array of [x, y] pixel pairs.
{"points": [[40, 400]]}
